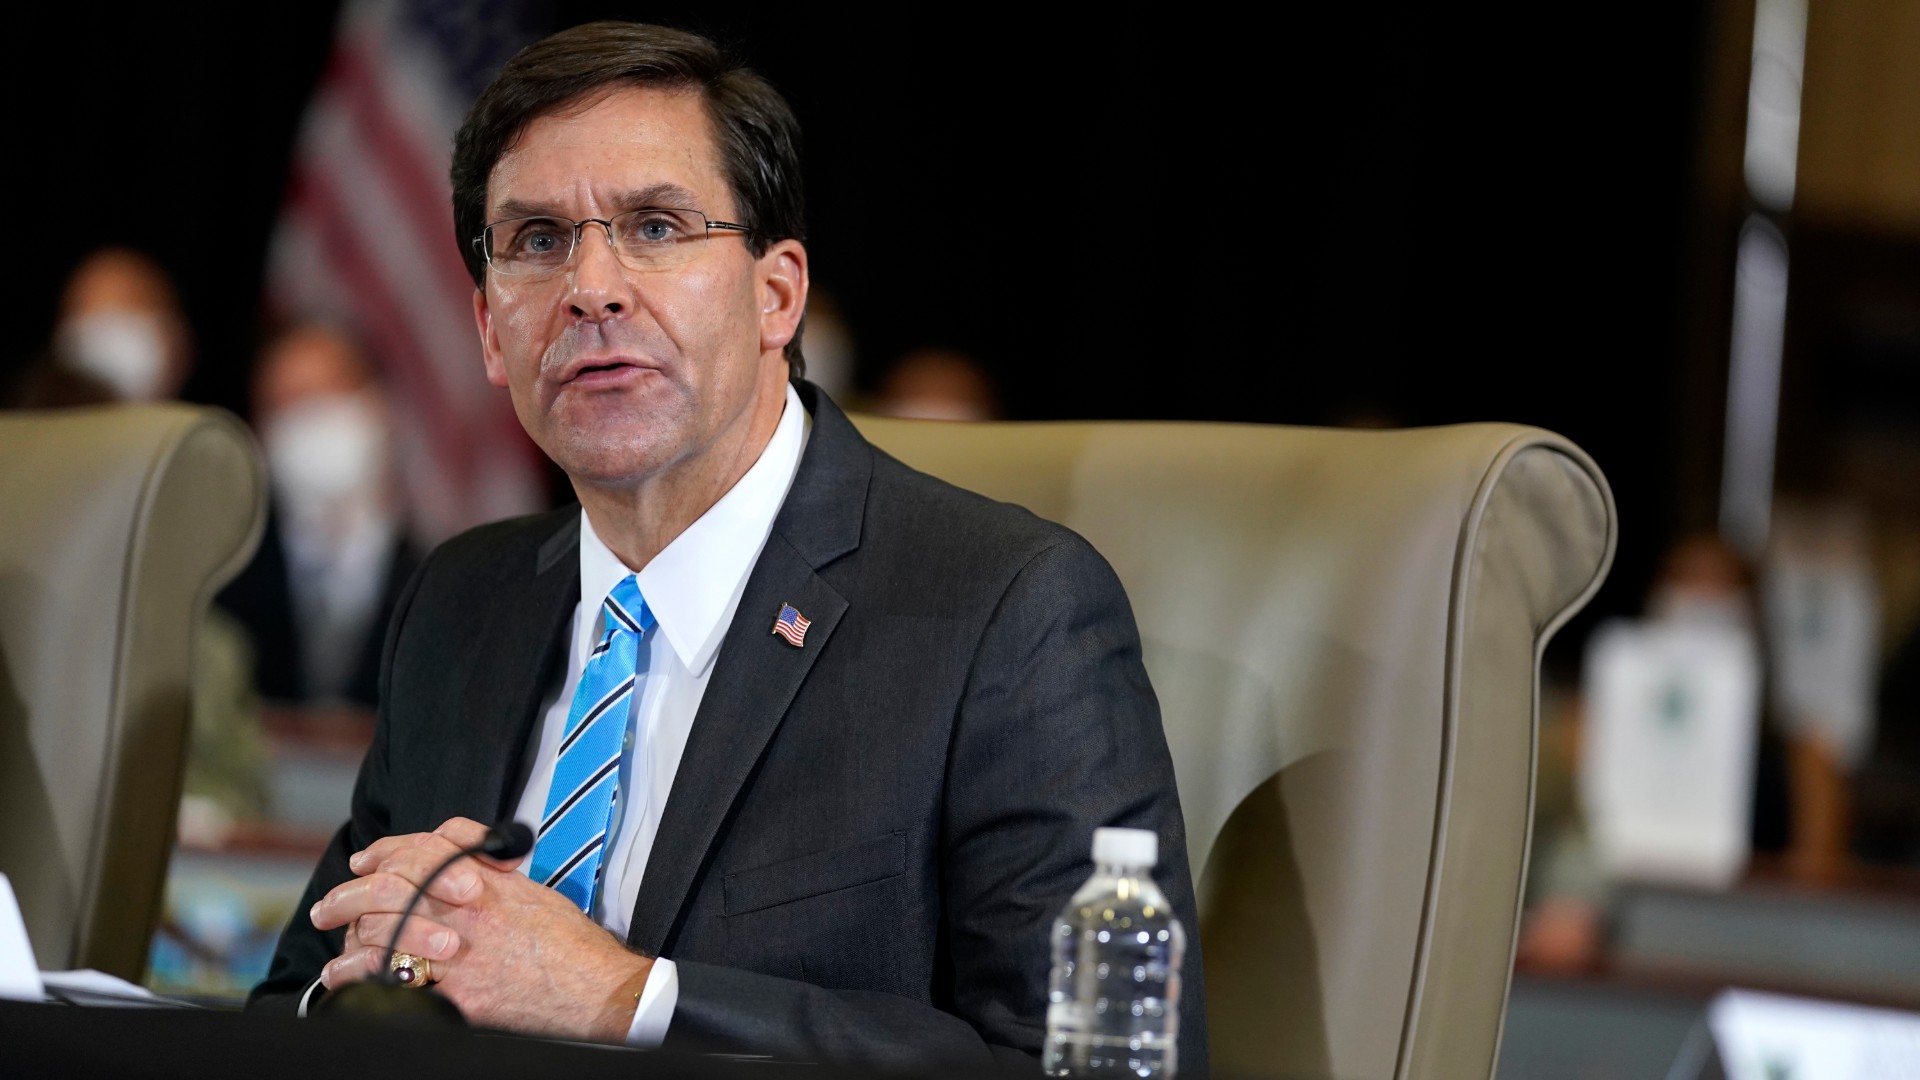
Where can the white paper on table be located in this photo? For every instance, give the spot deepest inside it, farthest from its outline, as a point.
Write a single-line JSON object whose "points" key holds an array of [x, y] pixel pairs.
{"points": [[89, 981], [19, 972], [1765, 1036], [1667, 749]]}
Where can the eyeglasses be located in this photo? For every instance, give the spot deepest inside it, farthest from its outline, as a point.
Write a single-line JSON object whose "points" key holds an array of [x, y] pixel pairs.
{"points": [[652, 238]]}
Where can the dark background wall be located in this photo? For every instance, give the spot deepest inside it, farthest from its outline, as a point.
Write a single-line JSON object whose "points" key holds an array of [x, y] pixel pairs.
{"points": [[1169, 211]]}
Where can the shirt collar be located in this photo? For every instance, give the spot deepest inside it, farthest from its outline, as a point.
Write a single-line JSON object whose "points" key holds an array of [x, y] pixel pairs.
{"points": [[695, 582]]}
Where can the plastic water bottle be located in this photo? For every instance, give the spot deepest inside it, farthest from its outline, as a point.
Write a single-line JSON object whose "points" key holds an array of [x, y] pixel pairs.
{"points": [[1113, 1007]]}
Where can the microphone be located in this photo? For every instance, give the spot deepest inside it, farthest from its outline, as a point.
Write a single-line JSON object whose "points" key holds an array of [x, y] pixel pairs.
{"points": [[384, 996]]}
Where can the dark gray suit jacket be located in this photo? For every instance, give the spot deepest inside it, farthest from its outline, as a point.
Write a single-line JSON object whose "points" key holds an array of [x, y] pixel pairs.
{"points": [[868, 837]]}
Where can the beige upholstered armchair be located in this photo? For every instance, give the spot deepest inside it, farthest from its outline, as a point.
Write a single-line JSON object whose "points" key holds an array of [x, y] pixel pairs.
{"points": [[117, 523], [1345, 630]]}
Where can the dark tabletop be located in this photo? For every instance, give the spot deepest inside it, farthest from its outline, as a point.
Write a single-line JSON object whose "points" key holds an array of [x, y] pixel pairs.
{"points": [[193, 1044]]}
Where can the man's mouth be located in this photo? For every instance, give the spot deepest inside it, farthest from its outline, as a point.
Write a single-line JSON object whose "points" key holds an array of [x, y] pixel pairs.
{"points": [[605, 370]]}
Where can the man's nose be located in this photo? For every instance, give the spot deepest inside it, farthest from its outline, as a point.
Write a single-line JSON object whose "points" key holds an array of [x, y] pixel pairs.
{"points": [[597, 285]]}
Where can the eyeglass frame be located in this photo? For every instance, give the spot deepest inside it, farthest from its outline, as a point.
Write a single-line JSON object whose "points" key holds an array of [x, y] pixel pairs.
{"points": [[606, 224]]}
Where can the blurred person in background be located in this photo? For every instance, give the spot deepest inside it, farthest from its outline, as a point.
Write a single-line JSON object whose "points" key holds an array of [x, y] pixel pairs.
{"points": [[121, 336], [318, 593], [1704, 598], [1822, 608], [1704, 581], [830, 351], [937, 384]]}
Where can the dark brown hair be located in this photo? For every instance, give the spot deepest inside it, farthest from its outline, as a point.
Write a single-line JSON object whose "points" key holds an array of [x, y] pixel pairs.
{"points": [[755, 129]]}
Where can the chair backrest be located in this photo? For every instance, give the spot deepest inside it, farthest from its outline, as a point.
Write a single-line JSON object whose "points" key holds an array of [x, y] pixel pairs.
{"points": [[1344, 628], [117, 524]]}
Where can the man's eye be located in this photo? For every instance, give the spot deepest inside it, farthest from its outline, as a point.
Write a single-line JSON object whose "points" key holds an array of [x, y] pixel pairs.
{"points": [[542, 241], [653, 229], [539, 240]]}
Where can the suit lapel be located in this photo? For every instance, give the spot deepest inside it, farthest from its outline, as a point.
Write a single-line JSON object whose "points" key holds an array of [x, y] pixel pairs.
{"points": [[754, 680], [528, 621], [757, 673]]}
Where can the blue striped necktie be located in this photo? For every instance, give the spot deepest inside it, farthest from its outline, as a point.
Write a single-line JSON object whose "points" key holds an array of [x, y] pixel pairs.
{"points": [[586, 777]]}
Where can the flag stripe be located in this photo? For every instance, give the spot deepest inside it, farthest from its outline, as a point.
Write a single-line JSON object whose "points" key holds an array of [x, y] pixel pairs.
{"points": [[429, 204], [381, 315], [381, 224], [366, 237], [338, 232]]}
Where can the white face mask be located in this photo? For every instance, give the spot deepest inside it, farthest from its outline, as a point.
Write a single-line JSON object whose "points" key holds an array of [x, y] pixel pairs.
{"points": [[325, 451], [125, 350]]}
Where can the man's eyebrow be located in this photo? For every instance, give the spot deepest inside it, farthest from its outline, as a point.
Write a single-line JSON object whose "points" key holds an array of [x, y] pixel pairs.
{"points": [[516, 208], [671, 196], [662, 196]]}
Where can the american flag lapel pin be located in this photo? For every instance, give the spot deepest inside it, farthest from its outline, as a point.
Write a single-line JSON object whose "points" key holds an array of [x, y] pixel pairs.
{"points": [[792, 626]]}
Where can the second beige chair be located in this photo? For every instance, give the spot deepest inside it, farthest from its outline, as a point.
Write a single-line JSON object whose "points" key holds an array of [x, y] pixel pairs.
{"points": [[1344, 629]]}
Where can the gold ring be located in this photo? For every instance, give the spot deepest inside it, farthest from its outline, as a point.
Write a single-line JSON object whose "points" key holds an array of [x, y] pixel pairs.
{"points": [[411, 971]]}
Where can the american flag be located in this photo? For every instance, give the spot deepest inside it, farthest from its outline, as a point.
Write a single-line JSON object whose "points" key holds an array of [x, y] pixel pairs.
{"points": [[792, 625], [365, 238]]}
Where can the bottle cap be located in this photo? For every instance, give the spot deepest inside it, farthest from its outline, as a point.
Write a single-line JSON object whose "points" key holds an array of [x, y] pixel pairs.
{"points": [[1126, 847]]}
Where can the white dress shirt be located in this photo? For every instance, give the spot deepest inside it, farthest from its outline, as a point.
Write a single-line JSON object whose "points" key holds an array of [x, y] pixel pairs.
{"points": [[693, 587]]}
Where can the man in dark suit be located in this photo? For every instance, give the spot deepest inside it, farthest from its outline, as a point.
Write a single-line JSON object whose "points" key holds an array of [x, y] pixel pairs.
{"points": [[317, 596], [871, 721]]}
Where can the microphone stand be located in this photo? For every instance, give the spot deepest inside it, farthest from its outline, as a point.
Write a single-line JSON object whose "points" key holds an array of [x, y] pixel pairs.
{"points": [[384, 998]]}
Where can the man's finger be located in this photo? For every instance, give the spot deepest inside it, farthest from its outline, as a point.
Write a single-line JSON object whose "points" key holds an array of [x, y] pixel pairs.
{"points": [[421, 936], [363, 963], [350, 900], [455, 834], [463, 832], [418, 863], [352, 966], [369, 858]]}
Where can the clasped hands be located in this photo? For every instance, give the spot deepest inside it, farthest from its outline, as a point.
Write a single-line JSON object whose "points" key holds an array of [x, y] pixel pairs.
{"points": [[511, 953]]}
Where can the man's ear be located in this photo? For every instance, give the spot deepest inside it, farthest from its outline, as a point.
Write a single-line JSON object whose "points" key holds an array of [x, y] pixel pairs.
{"points": [[489, 341], [783, 293]]}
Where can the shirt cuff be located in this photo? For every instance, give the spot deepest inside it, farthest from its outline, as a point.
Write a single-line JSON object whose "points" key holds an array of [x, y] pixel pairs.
{"points": [[308, 996], [655, 1011]]}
